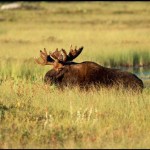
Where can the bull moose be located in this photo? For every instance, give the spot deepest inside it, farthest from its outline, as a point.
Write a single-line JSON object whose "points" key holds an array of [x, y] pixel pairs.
{"points": [[65, 72]]}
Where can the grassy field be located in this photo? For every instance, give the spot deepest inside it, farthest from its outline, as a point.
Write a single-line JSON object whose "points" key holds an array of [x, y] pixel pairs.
{"points": [[34, 115]]}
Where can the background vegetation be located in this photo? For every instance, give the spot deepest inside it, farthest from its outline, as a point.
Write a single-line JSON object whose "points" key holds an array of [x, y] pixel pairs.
{"points": [[33, 115]]}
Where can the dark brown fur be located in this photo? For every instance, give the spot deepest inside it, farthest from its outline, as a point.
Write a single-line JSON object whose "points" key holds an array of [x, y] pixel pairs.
{"points": [[88, 73]]}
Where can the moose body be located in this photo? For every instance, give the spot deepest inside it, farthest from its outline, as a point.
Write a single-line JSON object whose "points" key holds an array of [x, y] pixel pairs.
{"points": [[88, 73], [85, 74]]}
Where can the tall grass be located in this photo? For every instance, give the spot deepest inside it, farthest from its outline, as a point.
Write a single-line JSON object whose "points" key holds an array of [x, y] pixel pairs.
{"points": [[20, 69], [35, 115]]}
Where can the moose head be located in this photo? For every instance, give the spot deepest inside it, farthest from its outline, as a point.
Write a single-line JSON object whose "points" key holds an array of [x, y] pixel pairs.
{"points": [[58, 58]]}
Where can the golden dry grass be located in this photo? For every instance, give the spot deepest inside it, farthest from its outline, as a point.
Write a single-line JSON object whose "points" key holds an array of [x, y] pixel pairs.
{"points": [[33, 115]]}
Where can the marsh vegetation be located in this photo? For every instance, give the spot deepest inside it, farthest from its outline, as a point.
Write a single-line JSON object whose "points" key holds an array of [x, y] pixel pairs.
{"points": [[35, 115]]}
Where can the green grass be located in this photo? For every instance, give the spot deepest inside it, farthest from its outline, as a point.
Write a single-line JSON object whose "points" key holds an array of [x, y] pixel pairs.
{"points": [[33, 115]]}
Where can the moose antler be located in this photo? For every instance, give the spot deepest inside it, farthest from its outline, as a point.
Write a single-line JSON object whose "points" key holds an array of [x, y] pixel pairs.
{"points": [[47, 60], [62, 55], [51, 59], [74, 53], [59, 56]]}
